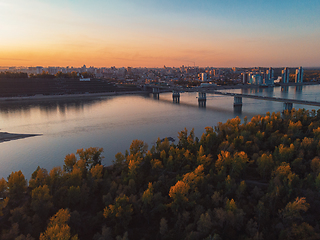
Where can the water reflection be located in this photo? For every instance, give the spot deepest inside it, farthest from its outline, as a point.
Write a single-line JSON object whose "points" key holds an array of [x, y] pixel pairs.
{"points": [[49, 106], [156, 96], [284, 92], [202, 104], [299, 89], [237, 110], [176, 99], [113, 122]]}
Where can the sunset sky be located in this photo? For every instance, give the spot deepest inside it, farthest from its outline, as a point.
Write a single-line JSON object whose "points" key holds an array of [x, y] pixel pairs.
{"points": [[150, 33]]}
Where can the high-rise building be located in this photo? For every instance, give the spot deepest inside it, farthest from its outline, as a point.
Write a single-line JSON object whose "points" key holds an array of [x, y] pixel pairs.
{"points": [[203, 77], [269, 80], [245, 77], [256, 79], [299, 75], [285, 75]]}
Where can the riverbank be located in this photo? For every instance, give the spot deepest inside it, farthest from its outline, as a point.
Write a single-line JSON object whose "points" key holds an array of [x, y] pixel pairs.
{"points": [[66, 96], [5, 136], [103, 94]]}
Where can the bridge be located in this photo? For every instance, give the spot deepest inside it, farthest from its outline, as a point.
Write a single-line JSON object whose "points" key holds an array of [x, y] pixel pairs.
{"points": [[202, 98], [288, 103], [312, 103]]}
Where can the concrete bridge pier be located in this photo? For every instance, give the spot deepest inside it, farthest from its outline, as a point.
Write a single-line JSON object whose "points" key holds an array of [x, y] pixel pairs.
{"points": [[155, 92], [237, 104], [202, 99], [237, 101], [287, 106], [176, 96]]}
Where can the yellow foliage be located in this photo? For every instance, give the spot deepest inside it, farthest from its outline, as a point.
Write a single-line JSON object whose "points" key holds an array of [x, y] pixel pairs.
{"points": [[293, 209], [3, 204], [56, 233], [163, 154], [294, 127], [202, 158], [193, 178], [283, 171], [3, 187], [55, 172], [155, 163], [316, 132], [121, 208], [41, 193], [138, 146], [231, 205], [223, 159], [69, 161], [81, 164], [306, 143], [315, 165], [179, 191], [148, 194], [17, 184], [58, 227], [96, 171], [39, 178]]}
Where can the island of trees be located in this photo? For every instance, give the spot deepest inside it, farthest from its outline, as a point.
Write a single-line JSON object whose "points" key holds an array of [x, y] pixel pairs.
{"points": [[259, 179]]}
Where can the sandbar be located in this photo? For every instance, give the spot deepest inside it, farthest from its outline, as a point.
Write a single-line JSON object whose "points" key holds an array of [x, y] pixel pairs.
{"points": [[5, 136]]}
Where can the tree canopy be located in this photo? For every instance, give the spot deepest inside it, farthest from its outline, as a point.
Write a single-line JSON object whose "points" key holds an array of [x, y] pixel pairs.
{"points": [[259, 179]]}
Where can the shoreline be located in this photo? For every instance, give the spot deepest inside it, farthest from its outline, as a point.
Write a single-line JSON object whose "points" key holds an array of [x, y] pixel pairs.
{"points": [[66, 96], [103, 94], [6, 137]]}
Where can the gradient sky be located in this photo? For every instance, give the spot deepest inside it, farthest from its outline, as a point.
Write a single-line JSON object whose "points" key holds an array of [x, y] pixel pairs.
{"points": [[149, 33]]}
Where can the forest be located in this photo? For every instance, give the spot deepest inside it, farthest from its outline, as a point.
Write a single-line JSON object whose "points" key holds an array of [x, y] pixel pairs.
{"points": [[256, 179]]}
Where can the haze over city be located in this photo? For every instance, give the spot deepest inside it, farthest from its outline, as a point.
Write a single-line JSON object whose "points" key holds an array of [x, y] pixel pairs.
{"points": [[156, 33]]}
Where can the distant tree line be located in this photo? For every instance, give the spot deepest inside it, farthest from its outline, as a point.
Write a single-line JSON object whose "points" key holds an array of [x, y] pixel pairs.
{"points": [[12, 75], [259, 179], [45, 75]]}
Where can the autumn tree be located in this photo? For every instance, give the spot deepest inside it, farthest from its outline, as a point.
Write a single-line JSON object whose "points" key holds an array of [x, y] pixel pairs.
{"points": [[69, 161], [91, 156], [120, 213], [38, 178], [3, 195], [138, 147], [179, 195], [17, 186], [265, 165], [58, 227], [41, 202]]}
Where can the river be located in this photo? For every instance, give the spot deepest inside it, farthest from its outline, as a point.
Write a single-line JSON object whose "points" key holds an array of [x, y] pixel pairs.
{"points": [[112, 122]]}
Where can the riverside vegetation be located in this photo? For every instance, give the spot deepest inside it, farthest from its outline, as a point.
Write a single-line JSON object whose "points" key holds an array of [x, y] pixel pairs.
{"points": [[250, 180]]}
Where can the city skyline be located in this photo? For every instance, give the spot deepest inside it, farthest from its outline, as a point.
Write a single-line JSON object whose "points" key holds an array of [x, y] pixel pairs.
{"points": [[152, 34]]}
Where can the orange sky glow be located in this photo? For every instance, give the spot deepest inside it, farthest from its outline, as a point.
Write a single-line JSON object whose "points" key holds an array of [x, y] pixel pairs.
{"points": [[104, 34]]}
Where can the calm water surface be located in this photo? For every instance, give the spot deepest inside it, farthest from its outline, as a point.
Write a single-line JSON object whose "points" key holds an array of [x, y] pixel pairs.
{"points": [[113, 122]]}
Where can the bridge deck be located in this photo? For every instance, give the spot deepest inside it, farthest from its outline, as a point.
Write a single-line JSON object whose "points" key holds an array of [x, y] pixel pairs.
{"points": [[276, 99]]}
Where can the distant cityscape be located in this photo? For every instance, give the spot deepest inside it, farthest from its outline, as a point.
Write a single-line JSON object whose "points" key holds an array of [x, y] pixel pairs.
{"points": [[184, 75]]}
